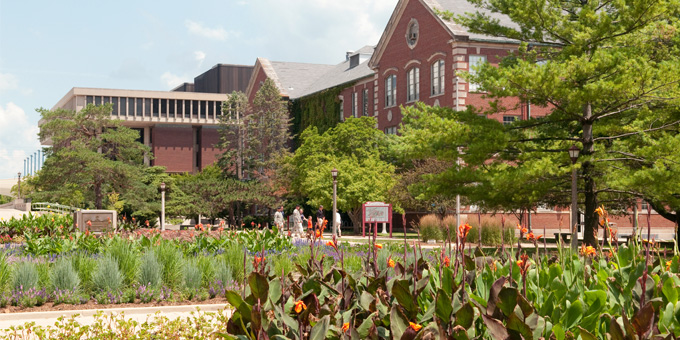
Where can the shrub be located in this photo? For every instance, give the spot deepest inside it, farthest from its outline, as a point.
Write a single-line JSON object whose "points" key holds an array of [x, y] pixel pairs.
{"points": [[126, 256], [205, 265], [25, 276], [449, 222], [233, 256], [192, 276], [170, 257], [84, 266], [430, 232], [5, 271], [150, 270], [282, 262], [430, 220], [353, 263], [64, 276], [223, 272], [491, 232], [107, 276]]}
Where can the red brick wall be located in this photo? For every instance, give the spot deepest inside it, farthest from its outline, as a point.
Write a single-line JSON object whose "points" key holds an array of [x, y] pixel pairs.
{"points": [[260, 77], [359, 87], [433, 38], [173, 148], [209, 152]]}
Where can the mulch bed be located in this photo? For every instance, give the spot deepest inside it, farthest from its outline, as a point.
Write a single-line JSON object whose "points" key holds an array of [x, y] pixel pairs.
{"points": [[49, 307]]}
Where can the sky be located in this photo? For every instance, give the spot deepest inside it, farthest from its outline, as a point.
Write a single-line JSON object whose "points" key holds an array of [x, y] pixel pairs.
{"points": [[49, 47]]}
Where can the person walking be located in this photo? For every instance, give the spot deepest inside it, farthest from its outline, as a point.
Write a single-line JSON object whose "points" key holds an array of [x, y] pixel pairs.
{"points": [[319, 218], [338, 223], [297, 221], [278, 218]]}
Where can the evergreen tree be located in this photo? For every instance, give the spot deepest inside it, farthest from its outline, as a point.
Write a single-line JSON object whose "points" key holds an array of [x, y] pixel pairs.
{"points": [[91, 155]]}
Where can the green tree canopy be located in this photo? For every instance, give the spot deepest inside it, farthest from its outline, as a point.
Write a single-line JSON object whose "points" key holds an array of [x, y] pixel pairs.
{"points": [[91, 155], [356, 148], [608, 72]]}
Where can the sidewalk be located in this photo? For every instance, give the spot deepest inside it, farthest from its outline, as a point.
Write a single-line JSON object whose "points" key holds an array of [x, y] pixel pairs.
{"points": [[86, 317]]}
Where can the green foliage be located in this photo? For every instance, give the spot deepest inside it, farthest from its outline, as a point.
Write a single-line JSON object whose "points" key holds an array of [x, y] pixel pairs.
{"points": [[64, 276], [5, 271], [269, 239], [38, 224], [85, 266], [233, 258], [205, 266], [491, 233], [223, 272], [25, 276], [356, 149], [91, 154], [282, 264], [126, 256], [320, 110], [107, 276], [171, 259], [192, 276], [150, 270], [430, 232]]}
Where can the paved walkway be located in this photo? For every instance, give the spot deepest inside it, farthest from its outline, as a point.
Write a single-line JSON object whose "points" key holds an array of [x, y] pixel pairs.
{"points": [[7, 214], [86, 317]]}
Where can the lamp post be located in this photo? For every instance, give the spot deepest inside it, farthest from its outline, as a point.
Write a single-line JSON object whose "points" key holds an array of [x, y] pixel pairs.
{"points": [[163, 206], [19, 185], [573, 154], [334, 173]]}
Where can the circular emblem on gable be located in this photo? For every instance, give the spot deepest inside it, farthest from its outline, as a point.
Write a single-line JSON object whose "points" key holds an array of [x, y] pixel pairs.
{"points": [[412, 33], [389, 115]]}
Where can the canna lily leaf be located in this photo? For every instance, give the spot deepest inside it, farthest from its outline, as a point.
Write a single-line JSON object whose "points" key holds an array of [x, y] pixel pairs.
{"points": [[573, 315], [615, 331], [443, 309], [398, 322], [670, 291], [320, 330], [259, 286], [496, 328], [404, 296]]}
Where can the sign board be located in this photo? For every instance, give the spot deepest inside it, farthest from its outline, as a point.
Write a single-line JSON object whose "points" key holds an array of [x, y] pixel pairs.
{"points": [[97, 221], [376, 212]]}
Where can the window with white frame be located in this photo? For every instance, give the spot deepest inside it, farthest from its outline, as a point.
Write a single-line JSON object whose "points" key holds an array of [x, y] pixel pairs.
{"points": [[437, 77], [475, 61], [355, 102], [342, 109], [412, 84], [364, 107], [507, 120], [391, 91], [644, 205], [391, 130]]}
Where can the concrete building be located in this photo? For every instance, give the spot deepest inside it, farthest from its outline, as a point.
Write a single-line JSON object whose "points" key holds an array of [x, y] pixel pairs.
{"points": [[180, 126]]}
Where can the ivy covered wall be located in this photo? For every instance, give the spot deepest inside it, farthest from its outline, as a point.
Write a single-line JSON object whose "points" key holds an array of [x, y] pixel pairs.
{"points": [[320, 109]]}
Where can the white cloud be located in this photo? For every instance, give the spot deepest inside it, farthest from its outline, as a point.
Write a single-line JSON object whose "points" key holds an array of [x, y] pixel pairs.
{"points": [[199, 56], [172, 80], [8, 81], [217, 33], [18, 138]]}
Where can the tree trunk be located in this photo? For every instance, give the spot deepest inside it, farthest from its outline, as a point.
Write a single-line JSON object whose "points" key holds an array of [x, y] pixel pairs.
{"points": [[355, 217], [589, 189], [98, 198]]}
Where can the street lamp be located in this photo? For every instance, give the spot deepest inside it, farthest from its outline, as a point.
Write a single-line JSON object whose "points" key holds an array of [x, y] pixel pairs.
{"points": [[19, 185], [573, 154], [163, 206], [334, 173]]}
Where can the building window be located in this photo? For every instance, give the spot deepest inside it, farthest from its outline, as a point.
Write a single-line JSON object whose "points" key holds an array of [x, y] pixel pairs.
{"points": [[131, 106], [438, 77], [365, 103], [412, 33], [156, 107], [391, 130], [475, 61], [412, 84], [89, 100], [391, 91], [342, 110], [644, 205], [355, 103], [140, 104], [507, 120], [122, 104]]}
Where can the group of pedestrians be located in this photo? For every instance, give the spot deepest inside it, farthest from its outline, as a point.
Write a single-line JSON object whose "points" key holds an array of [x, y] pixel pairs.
{"points": [[299, 217]]}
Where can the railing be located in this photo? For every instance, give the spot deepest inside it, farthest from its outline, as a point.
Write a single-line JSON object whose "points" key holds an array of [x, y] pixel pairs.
{"points": [[53, 207]]}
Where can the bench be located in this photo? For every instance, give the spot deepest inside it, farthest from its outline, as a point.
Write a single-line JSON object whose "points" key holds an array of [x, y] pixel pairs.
{"points": [[565, 237]]}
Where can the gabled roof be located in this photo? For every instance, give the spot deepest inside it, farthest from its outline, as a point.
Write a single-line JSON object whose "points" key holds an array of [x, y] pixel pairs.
{"points": [[341, 73], [290, 78], [457, 31], [461, 7]]}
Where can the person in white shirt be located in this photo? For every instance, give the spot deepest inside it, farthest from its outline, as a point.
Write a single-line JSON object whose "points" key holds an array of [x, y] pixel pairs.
{"points": [[297, 221], [338, 223], [278, 218]]}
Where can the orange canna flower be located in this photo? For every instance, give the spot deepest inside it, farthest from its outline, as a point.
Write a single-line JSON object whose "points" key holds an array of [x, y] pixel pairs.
{"points": [[289, 233], [318, 234], [345, 327], [530, 236], [391, 263], [463, 230], [299, 307], [600, 211], [146, 222], [520, 263], [524, 230], [332, 244], [89, 223], [378, 246], [668, 265], [416, 327], [447, 261], [587, 251]]}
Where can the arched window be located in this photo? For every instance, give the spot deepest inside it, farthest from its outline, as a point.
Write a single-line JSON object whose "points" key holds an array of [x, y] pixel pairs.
{"points": [[412, 84], [437, 80]]}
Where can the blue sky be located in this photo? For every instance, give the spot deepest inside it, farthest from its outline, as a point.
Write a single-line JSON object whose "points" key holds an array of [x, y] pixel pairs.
{"points": [[48, 47]]}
